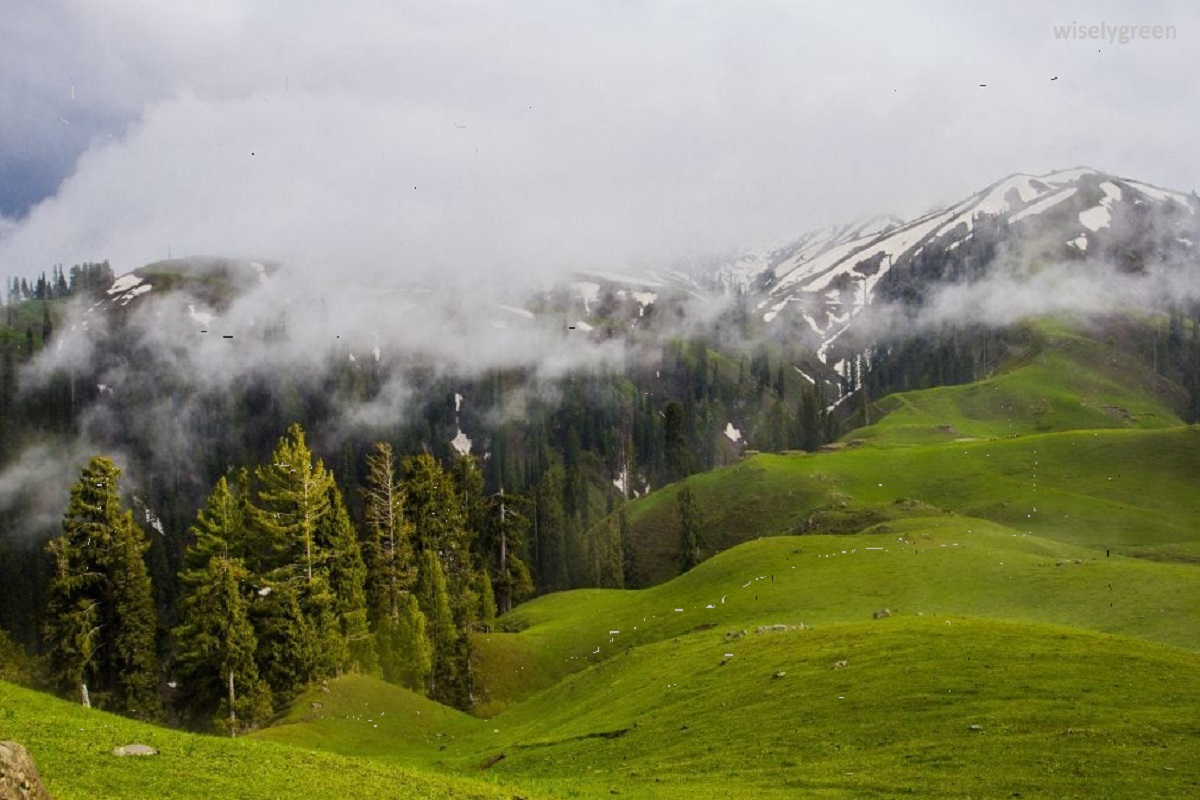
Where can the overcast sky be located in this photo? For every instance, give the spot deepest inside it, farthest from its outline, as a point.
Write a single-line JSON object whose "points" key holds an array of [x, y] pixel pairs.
{"points": [[383, 140]]}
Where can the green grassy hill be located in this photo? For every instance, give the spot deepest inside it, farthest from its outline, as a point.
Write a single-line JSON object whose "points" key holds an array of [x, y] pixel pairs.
{"points": [[1132, 491], [1064, 380], [73, 746], [671, 691], [1076, 425], [1032, 536]]}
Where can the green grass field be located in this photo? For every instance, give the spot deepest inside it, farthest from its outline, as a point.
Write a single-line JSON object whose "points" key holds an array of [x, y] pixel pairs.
{"points": [[1033, 536], [1130, 491]]}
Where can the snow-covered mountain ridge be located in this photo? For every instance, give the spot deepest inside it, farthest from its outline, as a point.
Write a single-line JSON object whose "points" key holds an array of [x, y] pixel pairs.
{"points": [[826, 278]]}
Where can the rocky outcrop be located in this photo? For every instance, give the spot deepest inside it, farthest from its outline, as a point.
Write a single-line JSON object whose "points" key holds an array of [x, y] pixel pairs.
{"points": [[135, 750], [19, 779]]}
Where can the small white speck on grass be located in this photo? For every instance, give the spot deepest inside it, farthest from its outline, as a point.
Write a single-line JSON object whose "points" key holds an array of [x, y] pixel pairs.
{"points": [[710, 605], [613, 633], [842, 696], [679, 609], [495, 730]]}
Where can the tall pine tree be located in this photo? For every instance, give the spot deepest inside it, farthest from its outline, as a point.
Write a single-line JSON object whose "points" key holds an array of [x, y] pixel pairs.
{"points": [[101, 627], [217, 673]]}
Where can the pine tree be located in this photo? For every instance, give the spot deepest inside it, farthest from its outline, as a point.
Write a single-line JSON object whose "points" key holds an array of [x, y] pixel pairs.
{"points": [[549, 531], [503, 540], [218, 675], [405, 649], [487, 603], [394, 615], [136, 623], [347, 576], [628, 560], [689, 526], [301, 635], [435, 603], [101, 627], [292, 500]]}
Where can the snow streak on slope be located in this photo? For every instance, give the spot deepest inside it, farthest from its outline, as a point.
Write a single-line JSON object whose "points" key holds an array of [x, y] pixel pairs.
{"points": [[826, 278]]}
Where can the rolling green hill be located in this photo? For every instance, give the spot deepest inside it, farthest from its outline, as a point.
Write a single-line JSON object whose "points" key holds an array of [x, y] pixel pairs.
{"points": [[685, 703], [1132, 491], [73, 750], [1032, 537]]}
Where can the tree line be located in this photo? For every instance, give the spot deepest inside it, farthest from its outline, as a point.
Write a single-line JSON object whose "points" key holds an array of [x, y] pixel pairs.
{"points": [[281, 588]]}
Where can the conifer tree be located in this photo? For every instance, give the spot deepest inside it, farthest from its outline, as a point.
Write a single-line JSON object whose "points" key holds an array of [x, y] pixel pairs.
{"points": [[405, 651], [218, 675], [292, 500], [689, 525], [347, 576], [301, 635], [435, 603], [393, 612], [101, 626], [625, 537]]}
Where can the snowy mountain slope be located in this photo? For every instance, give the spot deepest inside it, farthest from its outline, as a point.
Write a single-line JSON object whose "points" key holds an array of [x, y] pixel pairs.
{"points": [[824, 280]]}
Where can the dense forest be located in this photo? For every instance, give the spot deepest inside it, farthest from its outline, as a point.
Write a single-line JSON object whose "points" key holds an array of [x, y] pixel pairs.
{"points": [[257, 564]]}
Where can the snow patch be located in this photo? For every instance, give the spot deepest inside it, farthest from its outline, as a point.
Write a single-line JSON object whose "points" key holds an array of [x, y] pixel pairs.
{"points": [[1162, 195], [622, 482], [1043, 204], [458, 398], [203, 317], [1099, 216], [1080, 242], [461, 443], [124, 284], [644, 299], [588, 292], [580, 325], [134, 292], [732, 433]]}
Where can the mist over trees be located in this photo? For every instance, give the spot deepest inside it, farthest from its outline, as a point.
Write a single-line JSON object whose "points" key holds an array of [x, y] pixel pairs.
{"points": [[292, 523]]}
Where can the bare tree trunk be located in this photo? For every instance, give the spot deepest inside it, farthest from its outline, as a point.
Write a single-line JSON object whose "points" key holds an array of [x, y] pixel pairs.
{"points": [[83, 695], [232, 711], [505, 587]]}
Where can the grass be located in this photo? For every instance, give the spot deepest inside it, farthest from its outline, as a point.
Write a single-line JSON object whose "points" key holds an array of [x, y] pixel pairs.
{"points": [[1033, 536], [1062, 713], [1081, 670], [1068, 381], [1131, 491], [947, 565], [1071, 696], [72, 747]]}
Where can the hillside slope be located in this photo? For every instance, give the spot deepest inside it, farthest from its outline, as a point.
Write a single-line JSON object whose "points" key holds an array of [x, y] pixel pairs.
{"points": [[762, 673], [73, 750]]}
